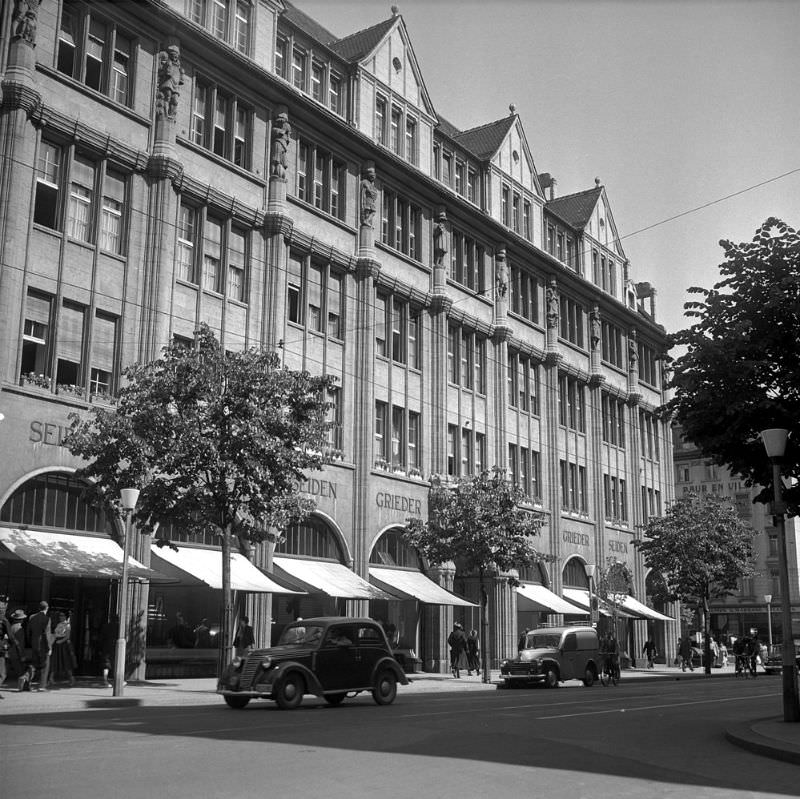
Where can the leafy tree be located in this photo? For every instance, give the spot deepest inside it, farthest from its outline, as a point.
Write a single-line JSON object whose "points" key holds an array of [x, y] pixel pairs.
{"points": [[701, 547], [740, 372], [612, 585], [478, 523], [216, 441]]}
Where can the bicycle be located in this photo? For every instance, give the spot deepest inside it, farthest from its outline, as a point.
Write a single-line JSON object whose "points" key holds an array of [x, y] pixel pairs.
{"points": [[610, 674]]}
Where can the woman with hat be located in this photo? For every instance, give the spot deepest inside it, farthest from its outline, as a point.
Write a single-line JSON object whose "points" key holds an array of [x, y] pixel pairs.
{"points": [[20, 660]]}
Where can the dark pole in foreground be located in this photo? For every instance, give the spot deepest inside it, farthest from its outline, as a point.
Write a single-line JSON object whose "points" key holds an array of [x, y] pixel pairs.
{"points": [[775, 444]]}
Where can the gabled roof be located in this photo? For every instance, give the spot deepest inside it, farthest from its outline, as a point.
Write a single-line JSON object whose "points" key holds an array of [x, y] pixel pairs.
{"points": [[447, 128], [360, 44], [309, 26], [485, 140], [576, 209]]}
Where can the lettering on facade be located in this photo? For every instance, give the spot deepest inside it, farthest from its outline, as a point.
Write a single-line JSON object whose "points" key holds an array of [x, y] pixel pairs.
{"points": [[318, 488], [399, 502], [618, 546], [48, 433], [571, 537]]}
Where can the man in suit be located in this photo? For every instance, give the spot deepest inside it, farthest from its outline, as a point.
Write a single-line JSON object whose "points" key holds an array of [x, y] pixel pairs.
{"points": [[8, 643], [41, 638]]}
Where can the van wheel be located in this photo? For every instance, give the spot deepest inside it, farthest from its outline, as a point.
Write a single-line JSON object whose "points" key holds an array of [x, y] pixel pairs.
{"points": [[588, 677], [551, 678]]}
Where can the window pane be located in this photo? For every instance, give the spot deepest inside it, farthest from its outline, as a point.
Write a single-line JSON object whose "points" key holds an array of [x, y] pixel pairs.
{"points": [[212, 252]]}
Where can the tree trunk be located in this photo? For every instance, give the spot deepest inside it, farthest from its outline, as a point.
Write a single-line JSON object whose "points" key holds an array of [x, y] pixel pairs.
{"points": [[226, 623], [706, 638], [484, 630]]}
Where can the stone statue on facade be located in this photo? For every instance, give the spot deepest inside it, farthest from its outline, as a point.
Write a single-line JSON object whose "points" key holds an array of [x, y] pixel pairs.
{"points": [[551, 303], [170, 79], [596, 327], [24, 20], [440, 238], [633, 351], [281, 139], [368, 194], [501, 275]]}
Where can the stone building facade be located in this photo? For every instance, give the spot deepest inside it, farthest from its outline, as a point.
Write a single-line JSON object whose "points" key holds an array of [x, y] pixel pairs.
{"points": [[173, 162]]}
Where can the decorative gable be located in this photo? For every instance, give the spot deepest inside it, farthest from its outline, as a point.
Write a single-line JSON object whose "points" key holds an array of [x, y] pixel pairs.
{"points": [[514, 158]]}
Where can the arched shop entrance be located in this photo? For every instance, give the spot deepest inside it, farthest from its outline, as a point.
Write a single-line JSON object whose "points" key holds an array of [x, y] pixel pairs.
{"points": [[312, 557], [576, 590], [55, 546], [397, 569]]}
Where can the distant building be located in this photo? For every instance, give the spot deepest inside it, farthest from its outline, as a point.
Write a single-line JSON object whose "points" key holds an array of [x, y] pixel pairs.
{"points": [[232, 162], [746, 609]]}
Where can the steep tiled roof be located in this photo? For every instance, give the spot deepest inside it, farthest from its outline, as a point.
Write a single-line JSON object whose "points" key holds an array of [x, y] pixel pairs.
{"points": [[307, 25], [357, 45], [484, 140], [448, 128], [576, 209]]}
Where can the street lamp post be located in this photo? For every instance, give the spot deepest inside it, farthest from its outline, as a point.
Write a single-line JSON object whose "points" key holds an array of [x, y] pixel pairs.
{"points": [[775, 445], [590, 570], [129, 497], [768, 600]]}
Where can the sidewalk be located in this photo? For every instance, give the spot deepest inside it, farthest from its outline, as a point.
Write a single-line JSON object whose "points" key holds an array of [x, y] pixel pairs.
{"points": [[770, 736]]}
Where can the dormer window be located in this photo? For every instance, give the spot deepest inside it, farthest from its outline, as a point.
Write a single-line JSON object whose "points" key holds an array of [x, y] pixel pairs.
{"points": [[299, 69]]}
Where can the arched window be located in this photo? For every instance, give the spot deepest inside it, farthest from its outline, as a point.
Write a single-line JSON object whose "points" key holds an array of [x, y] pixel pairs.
{"points": [[54, 500], [311, 538], [574, 574], [534, 574], [392, 550]]}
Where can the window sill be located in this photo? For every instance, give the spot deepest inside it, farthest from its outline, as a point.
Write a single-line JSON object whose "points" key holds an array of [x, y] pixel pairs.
{"points": [[326, 215]]}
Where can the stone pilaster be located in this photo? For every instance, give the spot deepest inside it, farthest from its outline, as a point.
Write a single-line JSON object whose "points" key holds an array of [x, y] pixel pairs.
{"points": [[438, 621]]}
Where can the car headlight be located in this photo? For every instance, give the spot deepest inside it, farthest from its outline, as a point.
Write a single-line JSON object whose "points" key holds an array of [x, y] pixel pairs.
{"points": [[266, 662]]}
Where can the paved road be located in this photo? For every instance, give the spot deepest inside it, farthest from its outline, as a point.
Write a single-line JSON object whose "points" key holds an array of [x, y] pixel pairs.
{"points": [[636, 740]]}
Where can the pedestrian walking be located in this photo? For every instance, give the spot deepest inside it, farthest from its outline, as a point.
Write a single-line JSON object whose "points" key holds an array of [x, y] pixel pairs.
{"points": [[8, 643], [245, 639], [63, 661], [685, 654], [649, 651], [473, 653], [723, 653], [20, 660], [715, 661], [457, 642], [40, 634], [521, 641]]}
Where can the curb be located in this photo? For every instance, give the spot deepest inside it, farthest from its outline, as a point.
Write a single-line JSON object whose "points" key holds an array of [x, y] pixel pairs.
{"points": [[744, 736], [113, 701]]}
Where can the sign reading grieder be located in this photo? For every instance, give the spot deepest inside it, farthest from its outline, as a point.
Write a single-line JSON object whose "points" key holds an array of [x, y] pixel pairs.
{"points": [[402, 504]]}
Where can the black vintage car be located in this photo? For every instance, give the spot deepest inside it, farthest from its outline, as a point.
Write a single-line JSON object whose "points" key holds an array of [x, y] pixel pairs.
{"points": [[331, 657]]}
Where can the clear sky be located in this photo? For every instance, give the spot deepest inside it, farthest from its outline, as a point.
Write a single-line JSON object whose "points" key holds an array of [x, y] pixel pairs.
{"points": [[672, 105]]}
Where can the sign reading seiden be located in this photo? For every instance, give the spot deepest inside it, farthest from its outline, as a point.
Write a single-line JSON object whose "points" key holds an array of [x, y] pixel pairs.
{"points": [[398, 502]]}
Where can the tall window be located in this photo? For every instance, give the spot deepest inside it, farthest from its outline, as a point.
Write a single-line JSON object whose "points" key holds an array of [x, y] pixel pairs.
{"points": [[317, 81], [228, 20], [282, 57], [187, 230], [649, 426], [70, 346], [81, 199], [472, 186], [48, 185], [237, 264], [527, 221], [334, 418], [395, 315], [111, 239], [220, 123], [615, 499], [212, 254], [36, 338], [299, 61], [648, 365], [94, 52], [102, 357], [381, 438], [320, 178], [315, 296], [467, 261], [398, 438], [241, 39], [523, 294], [411, 140], [504, 206], [571, 403], [515, 213], [452, 450], [571, 321], [380, 121], [613, 412], [612, 344], [395, 142], [413, 440], [400, 224], [335, 94], [523, 380]]}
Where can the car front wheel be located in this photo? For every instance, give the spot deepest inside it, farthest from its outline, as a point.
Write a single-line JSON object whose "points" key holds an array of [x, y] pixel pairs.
{"points": [[237, 702], [290, 693], [551, 678], [385, 688]]}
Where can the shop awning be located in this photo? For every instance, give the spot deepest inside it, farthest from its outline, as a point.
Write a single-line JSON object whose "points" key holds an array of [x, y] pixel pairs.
{"points": [[69, 555], [636, 608], [413, 584], [205, 566], [531, 596], [327, 577]]}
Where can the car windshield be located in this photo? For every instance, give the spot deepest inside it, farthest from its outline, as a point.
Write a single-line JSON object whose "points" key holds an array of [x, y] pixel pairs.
{"points": [[307, 635], [543, 641]]}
